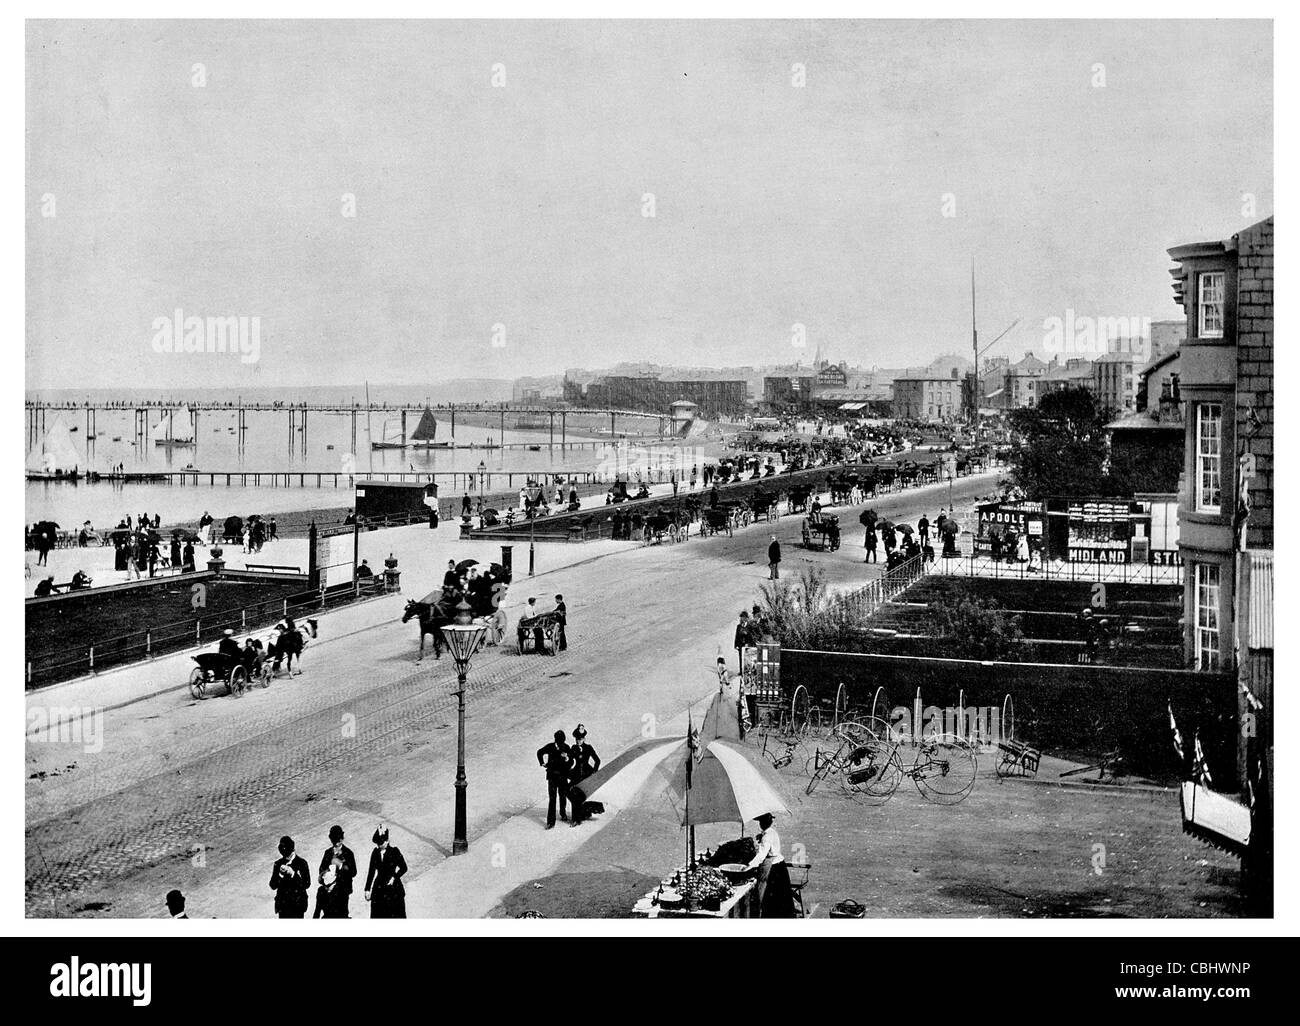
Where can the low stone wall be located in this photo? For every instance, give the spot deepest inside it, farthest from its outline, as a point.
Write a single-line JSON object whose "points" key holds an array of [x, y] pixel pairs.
{"points": [[1072, 708]]}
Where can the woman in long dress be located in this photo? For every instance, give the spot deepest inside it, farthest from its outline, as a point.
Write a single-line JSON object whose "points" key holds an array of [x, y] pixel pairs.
{"points": [[384, 888], [773, 895]]}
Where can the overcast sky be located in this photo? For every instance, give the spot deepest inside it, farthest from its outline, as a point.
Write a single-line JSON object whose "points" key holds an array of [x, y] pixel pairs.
{"points": [[523, 204]]}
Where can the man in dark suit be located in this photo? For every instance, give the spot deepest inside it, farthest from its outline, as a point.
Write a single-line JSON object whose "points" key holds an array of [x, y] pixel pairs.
{"points": [[554, 758], [290, 879], [562, 612], [338, 867], [774, 559]]}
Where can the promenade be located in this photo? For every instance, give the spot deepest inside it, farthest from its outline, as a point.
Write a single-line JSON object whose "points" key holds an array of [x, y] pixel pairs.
{"points": [[366, 734]]}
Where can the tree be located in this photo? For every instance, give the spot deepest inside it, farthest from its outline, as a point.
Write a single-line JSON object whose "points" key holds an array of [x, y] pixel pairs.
{"points": [[970, 628], [1064, 449]]}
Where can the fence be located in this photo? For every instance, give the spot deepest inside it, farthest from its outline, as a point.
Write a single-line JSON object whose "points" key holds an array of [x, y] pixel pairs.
{"points": [[987, 566], [866, 600]]}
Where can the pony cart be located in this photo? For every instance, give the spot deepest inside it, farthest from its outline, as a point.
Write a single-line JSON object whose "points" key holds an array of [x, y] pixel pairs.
{"points": [[798, 499], [715, 521], [822, 532], [542, 631], [763, 507]]}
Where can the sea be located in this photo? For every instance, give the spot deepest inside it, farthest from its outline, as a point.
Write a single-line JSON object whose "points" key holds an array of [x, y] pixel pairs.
{"points": [[272, 444]]}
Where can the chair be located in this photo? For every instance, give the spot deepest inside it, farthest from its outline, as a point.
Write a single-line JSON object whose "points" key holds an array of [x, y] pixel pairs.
{"points": [[798, 881]]}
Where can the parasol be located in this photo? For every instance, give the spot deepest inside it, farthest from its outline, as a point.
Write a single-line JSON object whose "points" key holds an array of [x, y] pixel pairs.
{"points": [[465, 564], [721, 785], [906, 529]]}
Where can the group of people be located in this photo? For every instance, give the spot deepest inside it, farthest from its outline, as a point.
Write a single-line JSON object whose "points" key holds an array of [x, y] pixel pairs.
{"points": [[292, 881], [567, 766], [901, 543]]}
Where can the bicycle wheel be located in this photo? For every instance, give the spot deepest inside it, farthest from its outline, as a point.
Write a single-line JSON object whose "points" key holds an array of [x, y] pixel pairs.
{"points": [[871, 770], [800, 706], [841, 705], [945, 769]]}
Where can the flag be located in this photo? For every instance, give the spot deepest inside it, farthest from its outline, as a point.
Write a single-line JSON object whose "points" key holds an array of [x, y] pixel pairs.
{"points": [[1200, 770], [1178, 737], [692, 746]]}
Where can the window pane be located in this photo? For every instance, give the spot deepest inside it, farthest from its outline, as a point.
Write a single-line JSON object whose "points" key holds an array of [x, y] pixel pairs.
{"points": [[1209, 453], [1210, 304]]}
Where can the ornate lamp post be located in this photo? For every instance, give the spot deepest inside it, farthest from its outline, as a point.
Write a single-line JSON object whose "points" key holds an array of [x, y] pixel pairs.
{"points": [[463, 639], [482, 475], [534, 494]]}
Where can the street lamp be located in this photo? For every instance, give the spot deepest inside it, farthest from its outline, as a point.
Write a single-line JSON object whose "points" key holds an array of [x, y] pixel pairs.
{"points": [[482, 473], [463, 639], [534, 494]]}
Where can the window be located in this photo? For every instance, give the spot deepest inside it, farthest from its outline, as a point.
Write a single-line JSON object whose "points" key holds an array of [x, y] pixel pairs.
{"points": [[1206, 640], [1209, 305], [1209, 452]]}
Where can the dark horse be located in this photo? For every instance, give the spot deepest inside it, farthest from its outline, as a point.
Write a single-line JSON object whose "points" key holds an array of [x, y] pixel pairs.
{"points": [[433, 617], [288, 644]]}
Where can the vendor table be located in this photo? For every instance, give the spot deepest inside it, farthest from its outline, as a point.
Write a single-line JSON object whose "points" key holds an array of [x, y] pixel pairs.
{"points": [[741, 905]]}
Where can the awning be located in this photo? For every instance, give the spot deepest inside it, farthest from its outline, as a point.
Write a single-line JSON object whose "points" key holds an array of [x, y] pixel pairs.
{"points": [[853, 406]]}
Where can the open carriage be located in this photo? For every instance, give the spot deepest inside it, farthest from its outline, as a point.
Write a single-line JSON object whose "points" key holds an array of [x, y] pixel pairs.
{"points": [[797, 499], [822, 532], [236, 674]]}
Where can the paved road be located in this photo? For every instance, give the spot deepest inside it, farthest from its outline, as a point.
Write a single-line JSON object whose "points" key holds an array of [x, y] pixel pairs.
{"points": [[197, 793]]}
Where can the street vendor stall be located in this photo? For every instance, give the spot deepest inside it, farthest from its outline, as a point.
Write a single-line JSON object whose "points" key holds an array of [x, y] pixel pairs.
{"points": [[709, 779]]}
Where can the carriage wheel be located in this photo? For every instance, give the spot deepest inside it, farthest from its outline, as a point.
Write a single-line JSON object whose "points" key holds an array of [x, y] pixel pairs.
{"points": [[198, 683], [238, 681]]}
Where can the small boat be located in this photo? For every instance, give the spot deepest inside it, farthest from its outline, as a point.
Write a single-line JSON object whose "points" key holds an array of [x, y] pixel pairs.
{"points": [[117, 438], [329, 448]]}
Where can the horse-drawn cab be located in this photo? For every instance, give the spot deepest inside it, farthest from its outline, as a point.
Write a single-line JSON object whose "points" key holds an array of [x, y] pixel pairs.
{"points": [[484, 594], [658, 527], [821, 532]]}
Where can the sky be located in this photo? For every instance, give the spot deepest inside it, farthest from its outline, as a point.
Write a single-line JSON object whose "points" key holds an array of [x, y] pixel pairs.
{"points": [[500, 175]]}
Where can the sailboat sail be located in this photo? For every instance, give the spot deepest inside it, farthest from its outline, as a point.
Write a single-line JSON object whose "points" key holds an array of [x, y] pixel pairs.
{"points": [[427, 429], [58, 453]]}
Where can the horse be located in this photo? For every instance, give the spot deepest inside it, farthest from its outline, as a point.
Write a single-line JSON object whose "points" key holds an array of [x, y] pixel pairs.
{"points": [[288, 644], [433, 617]]}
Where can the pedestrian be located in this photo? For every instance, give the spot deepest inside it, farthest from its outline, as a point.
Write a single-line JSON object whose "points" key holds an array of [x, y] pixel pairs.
{"points": [[272, 531], [757, 628], [871, 544], [562, 618], [693, 475], [176, 551], [742, 637], [554, 758], [583, 763], [187, 558], [205, 527], [384, 888], [774, 560], [772, 892], [465, 505], [176, 905], [338, 868], [923, 525], [674, 481], [290, 879]]}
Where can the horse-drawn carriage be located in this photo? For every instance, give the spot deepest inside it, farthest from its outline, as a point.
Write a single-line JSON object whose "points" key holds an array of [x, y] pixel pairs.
{"points": [[763, 506], [484, 593], [542, 631], [821, 532], [797, 500], [661, 526], [233, 671], [716, 520]]}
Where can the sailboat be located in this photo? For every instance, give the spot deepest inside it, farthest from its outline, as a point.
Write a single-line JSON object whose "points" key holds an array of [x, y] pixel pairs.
{"points": [[425, 432], [392, 438], [168, 427], [57, 458]]}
